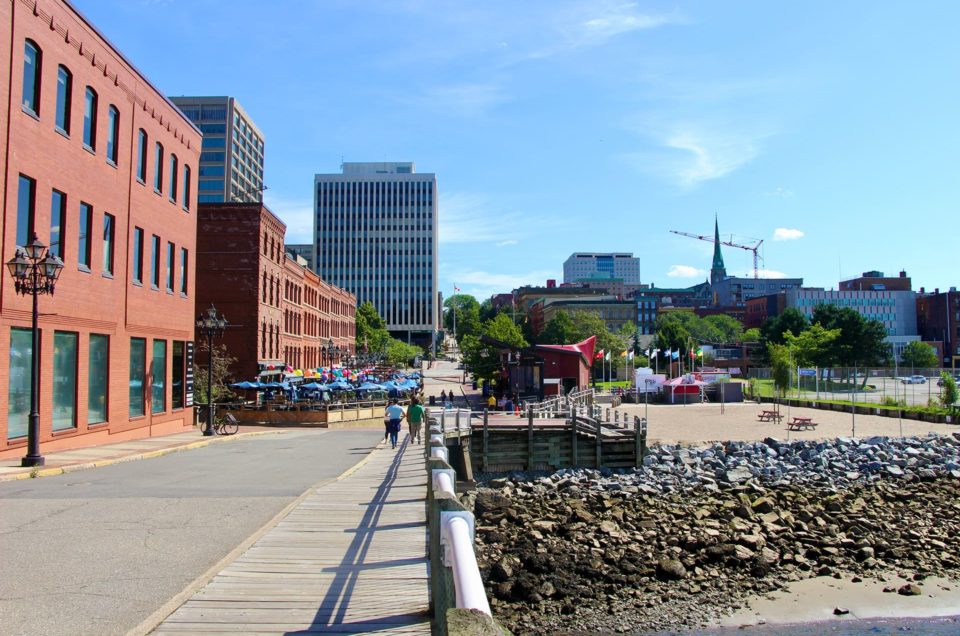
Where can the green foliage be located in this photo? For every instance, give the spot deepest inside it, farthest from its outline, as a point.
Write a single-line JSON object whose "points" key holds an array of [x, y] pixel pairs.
{"points": [[919, 355], [586, 324], [560, 330], [222, 362], [484, 360], [466, 309], [780, 366], [371, 329], [751, 335], [889, 401], [948, 390], [401, 354], [773, 329], [671, 335], [812, 346], [861, 341], [729, 328]]}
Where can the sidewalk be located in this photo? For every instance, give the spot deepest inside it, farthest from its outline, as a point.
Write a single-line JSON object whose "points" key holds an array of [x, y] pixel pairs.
{"points": [[68, 461]]}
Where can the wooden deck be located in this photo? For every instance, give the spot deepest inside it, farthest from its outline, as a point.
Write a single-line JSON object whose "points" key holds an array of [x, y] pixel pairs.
{"points": [[351, 558]]}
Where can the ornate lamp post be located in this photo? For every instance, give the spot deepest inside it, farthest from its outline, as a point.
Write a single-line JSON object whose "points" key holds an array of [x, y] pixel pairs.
{"points": [[35, 271], [330, 352], [209, 326]]}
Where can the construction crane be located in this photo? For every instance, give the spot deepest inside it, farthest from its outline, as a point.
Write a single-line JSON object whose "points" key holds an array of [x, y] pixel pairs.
{"points": [[750, 248]]}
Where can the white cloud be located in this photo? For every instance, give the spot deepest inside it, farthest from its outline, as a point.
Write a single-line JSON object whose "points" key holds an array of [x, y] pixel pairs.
{"points": [[779, 193], [505, 243], [623, 18], [482, 284], [708, 157], [470, 217], [685, 271], [297, 214], [787, 234], [466, 100], [762, 273]]}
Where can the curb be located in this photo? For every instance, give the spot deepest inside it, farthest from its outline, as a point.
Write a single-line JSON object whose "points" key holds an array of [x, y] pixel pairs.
{"points": [[168, 608], [70, 468]]}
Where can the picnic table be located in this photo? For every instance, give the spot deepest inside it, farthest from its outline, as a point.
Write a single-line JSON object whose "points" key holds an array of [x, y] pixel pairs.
{"points": [[769, 416], [802, 423]]}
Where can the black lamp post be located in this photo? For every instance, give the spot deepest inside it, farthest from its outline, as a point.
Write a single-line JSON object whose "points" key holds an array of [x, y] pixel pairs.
{"points": [[330, 351], [323, 356], [35, 271], [210, 325]]}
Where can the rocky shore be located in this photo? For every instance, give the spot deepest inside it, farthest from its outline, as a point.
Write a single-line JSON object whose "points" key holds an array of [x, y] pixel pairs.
{"points": [[694, 532]]}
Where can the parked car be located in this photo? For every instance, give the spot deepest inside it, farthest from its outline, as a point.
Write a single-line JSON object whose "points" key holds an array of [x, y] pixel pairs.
{"points": [[913, 379], [956, 378]]}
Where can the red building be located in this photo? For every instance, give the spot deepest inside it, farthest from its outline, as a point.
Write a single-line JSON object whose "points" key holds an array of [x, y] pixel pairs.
{"points": [[102, 168], [938, 320], [280, 314]]}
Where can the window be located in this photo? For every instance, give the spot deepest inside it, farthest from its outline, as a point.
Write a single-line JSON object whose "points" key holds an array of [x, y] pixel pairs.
{"points": [[64, 380], [174, 175], [113, 134], [178, 370], [108, 230], [186, 187], [142, 156], [138, 255], [32, 58], [158, 168], [183, 270], [155, 262], [171, 255], [18, 402], [64, 99], [138, 361], [84, 230], [98, 369], [90, 119], [58, 211], [26, 202], [158, 378]]}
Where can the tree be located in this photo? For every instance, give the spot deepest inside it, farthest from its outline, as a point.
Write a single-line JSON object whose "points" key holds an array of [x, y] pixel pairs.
{"points": [[371, 329], [948, 390], [862, 342], [919, 355], [672, 335], [559, 330], [586, 324], [751, 335], [222, 362], [730, 328], [780, 367], [772, 330], [399, 353], [482, 359], [467, 311], [813, 346]]}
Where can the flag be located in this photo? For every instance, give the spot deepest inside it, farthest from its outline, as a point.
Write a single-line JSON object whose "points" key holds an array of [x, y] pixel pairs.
{"points": [[675, 355], [598, 355], [667, 354], [624, 354], [607, 357], [456, 290], [655, 351], [630, 355], [699, 353], [647, 353]]}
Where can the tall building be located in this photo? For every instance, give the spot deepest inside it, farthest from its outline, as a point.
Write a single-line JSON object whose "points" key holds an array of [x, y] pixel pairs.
{"points": [[231, 161], [938, 319], [587, 265], [280, 313], [101, 167], [375, 234], [303, 250], [876, 281]]}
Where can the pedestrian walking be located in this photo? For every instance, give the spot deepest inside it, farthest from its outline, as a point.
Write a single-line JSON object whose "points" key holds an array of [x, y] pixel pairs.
{"points": [[443, 398], [395, 415], [415, 420]]}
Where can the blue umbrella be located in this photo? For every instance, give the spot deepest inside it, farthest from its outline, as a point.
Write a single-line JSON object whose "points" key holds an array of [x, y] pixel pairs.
{"points": [[340, 385], [370, 386], [245, 385], [274, 385], [314, 386]]}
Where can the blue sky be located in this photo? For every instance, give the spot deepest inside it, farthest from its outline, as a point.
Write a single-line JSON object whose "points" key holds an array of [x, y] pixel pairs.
{"points": [[827, 129]]}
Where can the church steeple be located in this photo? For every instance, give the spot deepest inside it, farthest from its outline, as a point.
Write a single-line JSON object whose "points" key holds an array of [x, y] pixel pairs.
{"points": [[719, 271]]}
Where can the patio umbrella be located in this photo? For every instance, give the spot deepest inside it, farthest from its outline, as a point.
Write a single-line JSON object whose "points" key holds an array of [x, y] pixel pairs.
{"points": [[370, 386], [246, 385], [340, 385]]}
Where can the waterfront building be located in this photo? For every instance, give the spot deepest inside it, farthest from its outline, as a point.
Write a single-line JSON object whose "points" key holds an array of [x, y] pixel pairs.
{"points": [[375, 234], [938, 320], [281, 314], [102, 167], [231, 161]]}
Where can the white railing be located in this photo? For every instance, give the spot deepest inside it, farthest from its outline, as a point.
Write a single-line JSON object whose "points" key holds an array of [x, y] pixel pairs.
{"points": [[457, 540]]}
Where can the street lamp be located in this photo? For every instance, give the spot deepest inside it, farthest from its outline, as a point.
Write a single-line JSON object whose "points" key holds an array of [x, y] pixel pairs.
{"points": [[35, 271], [323, 356], [210, 325]]}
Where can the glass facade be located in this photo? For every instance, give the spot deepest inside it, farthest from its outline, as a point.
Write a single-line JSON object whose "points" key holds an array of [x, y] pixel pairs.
{"points": [[138, 362], [158, 379], [64, 380], [18, 394], [98, 369]]}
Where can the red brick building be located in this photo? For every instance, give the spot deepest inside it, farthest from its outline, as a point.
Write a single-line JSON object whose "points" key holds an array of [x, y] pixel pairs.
{"points": [[280, 314], [102, 168]]}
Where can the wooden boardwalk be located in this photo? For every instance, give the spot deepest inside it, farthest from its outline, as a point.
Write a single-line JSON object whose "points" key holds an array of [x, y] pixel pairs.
{"points": [[350, 559]]}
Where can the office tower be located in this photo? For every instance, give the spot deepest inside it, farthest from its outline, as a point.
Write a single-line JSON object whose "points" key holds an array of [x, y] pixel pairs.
{"points": [[375, 235], [583, 266], [231, 161]]}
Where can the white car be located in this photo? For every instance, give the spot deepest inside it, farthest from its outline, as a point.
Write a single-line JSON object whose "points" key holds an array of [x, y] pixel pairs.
{"points": [[914, 379]]}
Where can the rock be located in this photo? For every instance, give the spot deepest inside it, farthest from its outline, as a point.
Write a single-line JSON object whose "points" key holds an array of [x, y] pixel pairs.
{"points": [[671, 570], [910, 589], [840, 611], [501, 571]]}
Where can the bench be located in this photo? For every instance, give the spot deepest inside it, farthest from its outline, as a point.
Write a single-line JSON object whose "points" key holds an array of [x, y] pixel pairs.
{"points": [[769, 416], [802, 423]]}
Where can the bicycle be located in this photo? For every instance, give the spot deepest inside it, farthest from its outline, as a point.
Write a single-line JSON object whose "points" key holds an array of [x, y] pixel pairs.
{"points": [[227, 425]]}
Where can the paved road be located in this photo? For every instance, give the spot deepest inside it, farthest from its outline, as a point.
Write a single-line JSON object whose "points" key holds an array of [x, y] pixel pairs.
{"points": [[98, 551]]}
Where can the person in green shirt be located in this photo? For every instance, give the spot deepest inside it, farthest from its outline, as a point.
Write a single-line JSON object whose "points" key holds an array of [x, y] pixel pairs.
{"points": [[415, 418]]}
